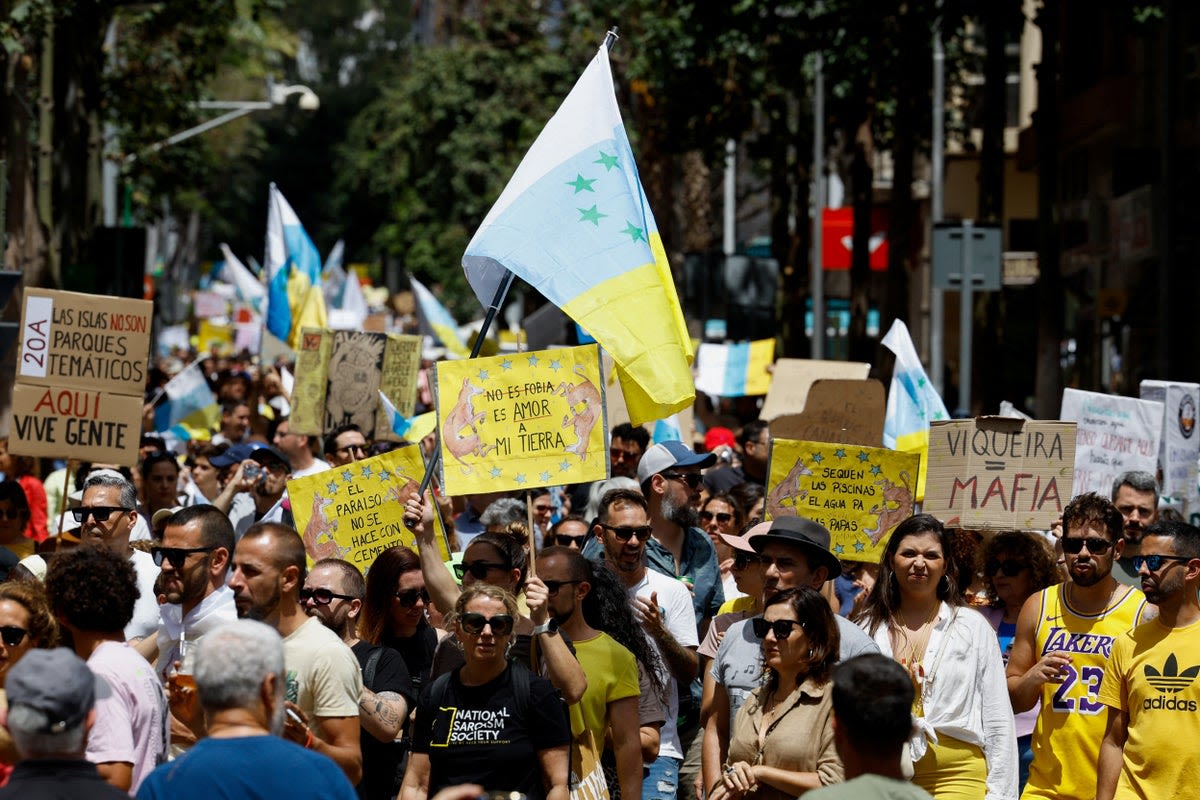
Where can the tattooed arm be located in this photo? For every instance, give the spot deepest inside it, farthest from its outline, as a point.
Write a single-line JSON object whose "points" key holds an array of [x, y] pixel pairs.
{"points": [[382, 714]]}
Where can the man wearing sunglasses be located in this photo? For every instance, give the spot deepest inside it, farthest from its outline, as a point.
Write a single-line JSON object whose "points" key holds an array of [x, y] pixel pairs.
{"points": [[1135, 494], [106, 517], [1064, 637], [665, 607], [194, 554], [793, 552], [324, 680], [333, 593], [1150, 685], [345, 445]]}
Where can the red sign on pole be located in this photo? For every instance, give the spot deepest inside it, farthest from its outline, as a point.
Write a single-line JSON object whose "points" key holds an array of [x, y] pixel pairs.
{"points": [[838, 238]]}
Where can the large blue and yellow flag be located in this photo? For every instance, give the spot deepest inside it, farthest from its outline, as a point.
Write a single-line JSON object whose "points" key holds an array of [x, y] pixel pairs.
{"points": [[574, 223], [293, 266], [436, 321], [912, 402]]}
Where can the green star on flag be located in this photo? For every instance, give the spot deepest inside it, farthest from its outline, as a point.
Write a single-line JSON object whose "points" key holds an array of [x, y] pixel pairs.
{"points": [[582, 184], [607, 161], [634, 233], [591, 215]]}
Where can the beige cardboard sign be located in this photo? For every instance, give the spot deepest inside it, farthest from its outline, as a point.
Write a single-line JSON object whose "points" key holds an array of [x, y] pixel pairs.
{"points": [[837, 411], [84, 341], [339, 375], [997, 473], [64, 422], [792, 378]]}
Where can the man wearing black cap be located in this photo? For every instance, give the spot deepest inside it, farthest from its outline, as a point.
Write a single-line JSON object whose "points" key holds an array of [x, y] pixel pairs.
{"points": [[794, 552], [51, 708], [261, 474]]}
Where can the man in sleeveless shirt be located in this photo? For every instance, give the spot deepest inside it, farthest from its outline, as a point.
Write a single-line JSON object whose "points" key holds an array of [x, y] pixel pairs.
{"points": [[1064, 639]]}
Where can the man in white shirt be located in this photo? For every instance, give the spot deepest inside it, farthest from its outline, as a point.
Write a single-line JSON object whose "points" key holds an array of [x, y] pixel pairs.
{"points": [[664, 605], [298, 448]]}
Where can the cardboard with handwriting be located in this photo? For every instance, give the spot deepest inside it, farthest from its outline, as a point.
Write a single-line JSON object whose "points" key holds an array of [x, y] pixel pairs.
{"points": [[791, 379]]}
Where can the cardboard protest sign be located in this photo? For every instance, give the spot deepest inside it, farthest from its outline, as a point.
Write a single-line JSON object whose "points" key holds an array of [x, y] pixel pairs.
{"points": [[61, 422], [84, 341], [339, 375], [858, 493], [521, 420], [1115, 434], [838, 411], [356, 511], [1179, 446], [999, 473], [792, 378]]}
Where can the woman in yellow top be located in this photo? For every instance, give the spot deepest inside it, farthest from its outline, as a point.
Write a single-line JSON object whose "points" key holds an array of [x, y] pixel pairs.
{"points": [[782, 742]]}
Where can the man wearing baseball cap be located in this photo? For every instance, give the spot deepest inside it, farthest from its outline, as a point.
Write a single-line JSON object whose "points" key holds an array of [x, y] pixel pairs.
{"points": [[794, 552], [257, 488], [51, 708]]}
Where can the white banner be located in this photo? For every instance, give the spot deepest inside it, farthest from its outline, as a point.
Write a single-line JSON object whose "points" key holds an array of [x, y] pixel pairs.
{"points": [[1114, 434]]}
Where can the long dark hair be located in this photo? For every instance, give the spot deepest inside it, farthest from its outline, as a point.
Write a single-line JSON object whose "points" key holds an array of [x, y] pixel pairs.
{"points": [[821, 632], [606, 608], [382, 580], [512, 544], [884, 600]]}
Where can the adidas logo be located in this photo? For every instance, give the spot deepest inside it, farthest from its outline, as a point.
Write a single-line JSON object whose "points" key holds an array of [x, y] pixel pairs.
{"points": [[1171, 680]]}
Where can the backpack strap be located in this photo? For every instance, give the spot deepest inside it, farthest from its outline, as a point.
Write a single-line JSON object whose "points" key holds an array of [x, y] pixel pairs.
{"points": [[369, 669], [520, 688]]}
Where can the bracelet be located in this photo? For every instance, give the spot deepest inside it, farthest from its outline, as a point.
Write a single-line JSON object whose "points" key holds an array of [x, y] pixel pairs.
{"points": [[308, 740]]}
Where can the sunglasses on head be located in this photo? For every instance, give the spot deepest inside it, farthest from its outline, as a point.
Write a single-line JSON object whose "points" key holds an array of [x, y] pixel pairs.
{"points": [[624, 533], [742, 559], [1008, 566], [782, 628], [321, 597], [175, 555], [478, 569], [101, 513], [474, 623], [1153, 563], [722, 517], [692, 479], [409, 597], [11, 635], [563, 540], [1095, 545]]}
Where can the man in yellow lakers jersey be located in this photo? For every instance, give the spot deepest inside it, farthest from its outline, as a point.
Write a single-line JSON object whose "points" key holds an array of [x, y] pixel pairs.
{"points": [[1151, 686], [1063, 642]]}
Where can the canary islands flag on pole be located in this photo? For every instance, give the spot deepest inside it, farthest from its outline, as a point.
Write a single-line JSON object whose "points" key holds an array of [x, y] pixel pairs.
{"points": [[574, 223], [436, 320], [912, 402], [293, 267]]}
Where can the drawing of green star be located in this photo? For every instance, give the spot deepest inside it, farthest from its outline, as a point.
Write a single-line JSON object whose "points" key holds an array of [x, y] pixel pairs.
{"points": [[876, 470], [862, 455], [840, 453]]}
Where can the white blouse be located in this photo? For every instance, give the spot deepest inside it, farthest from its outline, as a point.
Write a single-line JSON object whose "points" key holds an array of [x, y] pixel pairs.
{"points": [[966, 695]]}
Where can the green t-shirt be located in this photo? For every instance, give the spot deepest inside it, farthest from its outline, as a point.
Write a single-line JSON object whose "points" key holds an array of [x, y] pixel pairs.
{"points": [[869, 787]]}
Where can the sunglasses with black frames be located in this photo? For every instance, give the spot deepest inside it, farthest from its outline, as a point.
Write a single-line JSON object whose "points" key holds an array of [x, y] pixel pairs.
{"points": [[782, 628], [474, 623], [176, 555]]}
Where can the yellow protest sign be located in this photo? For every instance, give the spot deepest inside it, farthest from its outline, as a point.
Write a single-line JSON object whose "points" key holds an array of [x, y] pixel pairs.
{"points": [[858, 493], [521, 420], [355, 512]]}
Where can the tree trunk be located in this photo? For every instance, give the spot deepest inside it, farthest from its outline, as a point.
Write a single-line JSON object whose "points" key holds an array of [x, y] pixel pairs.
{"points": [[862, 180]]}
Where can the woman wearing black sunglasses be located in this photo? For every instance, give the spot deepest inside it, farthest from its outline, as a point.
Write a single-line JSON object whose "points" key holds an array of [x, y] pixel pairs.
{"points": [[1016, 565], [782, 741], [483, 724], [25, 623], [721, 515]]}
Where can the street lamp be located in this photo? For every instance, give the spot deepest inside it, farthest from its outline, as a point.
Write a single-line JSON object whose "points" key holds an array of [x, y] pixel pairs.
{"points": [[277, 95]]}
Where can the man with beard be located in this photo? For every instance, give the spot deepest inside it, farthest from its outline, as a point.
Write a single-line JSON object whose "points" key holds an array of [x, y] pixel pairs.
{"points": [[255, 491], [323, 680], [1150, 685], [664, 607], [610, 701], [1135, 494], [240, 677], [1064, 637], [333, 593]]}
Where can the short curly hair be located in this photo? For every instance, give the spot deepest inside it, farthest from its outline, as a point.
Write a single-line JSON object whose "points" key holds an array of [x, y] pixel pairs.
{"points": [[43, 628], [92, 589], [1027, 548]]}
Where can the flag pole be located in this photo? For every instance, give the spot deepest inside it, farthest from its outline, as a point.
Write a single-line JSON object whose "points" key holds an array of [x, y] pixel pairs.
{"points": [[493, 309], [611, 37]]}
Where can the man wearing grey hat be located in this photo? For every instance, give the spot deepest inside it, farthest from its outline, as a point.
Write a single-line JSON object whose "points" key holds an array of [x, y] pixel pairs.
{"points": [[51, 708], [260, 474], [794, 552]]}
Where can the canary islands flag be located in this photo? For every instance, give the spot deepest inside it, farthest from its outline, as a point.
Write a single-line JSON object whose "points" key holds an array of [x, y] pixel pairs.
{"points": [[912, 402], [293, 265], [436, 320], [574, 223]]}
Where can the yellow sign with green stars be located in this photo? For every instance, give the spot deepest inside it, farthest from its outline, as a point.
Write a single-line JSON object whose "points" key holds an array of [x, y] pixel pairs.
{"points": [[858, 493], [355, 511], [521, 420]]}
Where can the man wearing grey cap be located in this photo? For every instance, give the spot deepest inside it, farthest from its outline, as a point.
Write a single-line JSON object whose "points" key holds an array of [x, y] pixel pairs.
{"points": [[794, 552], [51, 708], [260, 475]]}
